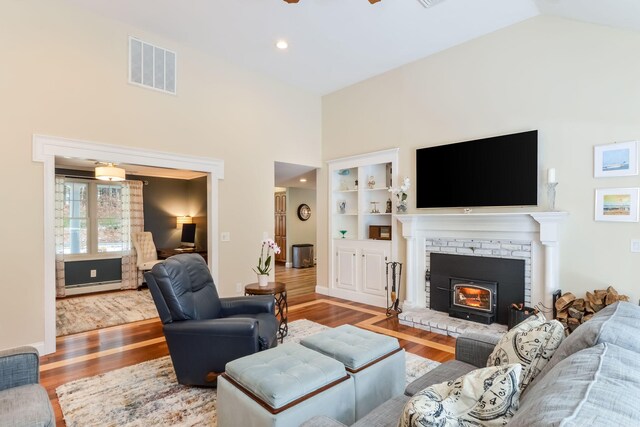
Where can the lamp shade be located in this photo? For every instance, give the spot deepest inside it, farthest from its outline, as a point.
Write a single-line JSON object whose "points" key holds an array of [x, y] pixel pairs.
{"points": [[110, 173], [186, 219]]}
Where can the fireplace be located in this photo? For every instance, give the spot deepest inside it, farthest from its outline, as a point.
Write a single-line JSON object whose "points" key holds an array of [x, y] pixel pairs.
{"points": [[473, 300], [480, 289]]}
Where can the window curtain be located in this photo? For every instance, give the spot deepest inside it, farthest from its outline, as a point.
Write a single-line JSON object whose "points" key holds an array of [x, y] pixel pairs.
{"points": [[132, 222], [59, 235]]}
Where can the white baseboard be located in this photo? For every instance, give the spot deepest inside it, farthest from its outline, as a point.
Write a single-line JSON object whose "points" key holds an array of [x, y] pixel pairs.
{"points": [[288, 265], [322, 290], [80, 290]]}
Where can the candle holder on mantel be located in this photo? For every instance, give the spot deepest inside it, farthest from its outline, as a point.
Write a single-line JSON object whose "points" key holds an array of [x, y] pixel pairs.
{"points": [[551, 194]]}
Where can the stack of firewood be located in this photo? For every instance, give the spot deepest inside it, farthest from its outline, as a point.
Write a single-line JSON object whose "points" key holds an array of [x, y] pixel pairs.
{"points": [[572, 311]]}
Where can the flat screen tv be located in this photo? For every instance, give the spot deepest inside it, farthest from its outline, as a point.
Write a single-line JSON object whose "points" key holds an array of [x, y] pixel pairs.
{"points": [[497, 171]]}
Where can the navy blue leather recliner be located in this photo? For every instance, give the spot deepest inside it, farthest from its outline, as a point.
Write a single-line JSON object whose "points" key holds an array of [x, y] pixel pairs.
{"points": [[203, 331]]}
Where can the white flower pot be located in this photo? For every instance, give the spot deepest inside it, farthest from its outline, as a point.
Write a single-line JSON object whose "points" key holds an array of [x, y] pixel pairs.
{"points": [[263, 279]]}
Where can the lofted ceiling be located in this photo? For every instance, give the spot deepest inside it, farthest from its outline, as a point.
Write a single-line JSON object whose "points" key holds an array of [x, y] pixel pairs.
{"points": [[336, 43]]}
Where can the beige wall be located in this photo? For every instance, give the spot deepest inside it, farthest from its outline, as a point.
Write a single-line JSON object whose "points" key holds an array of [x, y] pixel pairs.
{"points": [[64, 73], [577, 83]]}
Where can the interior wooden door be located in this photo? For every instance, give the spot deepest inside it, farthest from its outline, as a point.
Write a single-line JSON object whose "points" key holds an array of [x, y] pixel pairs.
{"points": [[280, 237]]}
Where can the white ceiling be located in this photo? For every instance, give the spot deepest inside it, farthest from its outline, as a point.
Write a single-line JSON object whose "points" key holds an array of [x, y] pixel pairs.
{"points": [[336, 43], [289, 175], [139, 170]]}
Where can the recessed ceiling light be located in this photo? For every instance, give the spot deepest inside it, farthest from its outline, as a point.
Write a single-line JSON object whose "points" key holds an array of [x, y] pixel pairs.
{"points": [[282, 44], [303, 179]]}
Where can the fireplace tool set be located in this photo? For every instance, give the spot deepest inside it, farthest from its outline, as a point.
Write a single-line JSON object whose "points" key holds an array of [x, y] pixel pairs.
{"points": [[394, 273]]}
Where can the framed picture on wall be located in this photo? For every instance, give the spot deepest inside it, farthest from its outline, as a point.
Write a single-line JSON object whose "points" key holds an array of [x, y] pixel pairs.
{"points": [[617, 204], [617, 159]]}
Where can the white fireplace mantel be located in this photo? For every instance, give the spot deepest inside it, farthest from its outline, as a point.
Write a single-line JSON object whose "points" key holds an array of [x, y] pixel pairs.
{"points": [[541, 228]]}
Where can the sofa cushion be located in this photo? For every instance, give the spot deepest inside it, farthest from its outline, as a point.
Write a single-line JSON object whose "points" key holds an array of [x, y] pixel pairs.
{"points": [[487, 396], [597, 386], [530, 343], [26, 405], [445, 372], [614, 324]]}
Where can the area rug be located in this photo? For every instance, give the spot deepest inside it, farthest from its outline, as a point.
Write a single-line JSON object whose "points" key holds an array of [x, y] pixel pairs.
{"points": [[79, 314], [147, 393]]}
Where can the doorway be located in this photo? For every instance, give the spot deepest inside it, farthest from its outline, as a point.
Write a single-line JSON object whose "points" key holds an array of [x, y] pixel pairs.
{"points": [[46, 148], [295, 215]]}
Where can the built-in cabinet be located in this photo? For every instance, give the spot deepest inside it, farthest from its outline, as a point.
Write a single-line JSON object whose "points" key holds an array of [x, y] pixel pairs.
{"points": [[358, 199]]}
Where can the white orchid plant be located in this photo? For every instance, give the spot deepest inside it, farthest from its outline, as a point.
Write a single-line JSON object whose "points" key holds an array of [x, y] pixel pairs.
{"points": [[264, 262], [401, 194]]}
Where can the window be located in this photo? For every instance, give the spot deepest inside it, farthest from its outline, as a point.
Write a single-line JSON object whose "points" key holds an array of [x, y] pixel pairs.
{"points": [[93, 218]]}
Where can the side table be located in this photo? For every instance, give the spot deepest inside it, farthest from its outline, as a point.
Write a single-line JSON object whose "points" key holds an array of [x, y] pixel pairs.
{"points": [[279, 292]]}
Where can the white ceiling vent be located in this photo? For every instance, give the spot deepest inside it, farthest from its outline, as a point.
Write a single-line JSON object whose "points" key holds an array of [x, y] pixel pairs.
{"points": [[152, 66]]}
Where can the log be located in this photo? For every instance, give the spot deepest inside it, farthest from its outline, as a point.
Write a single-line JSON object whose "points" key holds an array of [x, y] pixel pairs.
{"points": [[592, 298], [576, 314], [573, 323], [562, 315], [612, 295], [586, 317], [564, 301], [623, 298], [578, 304], [587, 307], [597, 307], [601, 294]]}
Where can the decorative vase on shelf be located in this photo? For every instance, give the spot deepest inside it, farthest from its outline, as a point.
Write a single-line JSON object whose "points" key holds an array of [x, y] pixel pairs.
{"points": [[263, 279]]}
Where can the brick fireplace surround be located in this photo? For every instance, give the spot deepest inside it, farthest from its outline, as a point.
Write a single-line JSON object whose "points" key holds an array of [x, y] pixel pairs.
{"points": [[530, 236]]}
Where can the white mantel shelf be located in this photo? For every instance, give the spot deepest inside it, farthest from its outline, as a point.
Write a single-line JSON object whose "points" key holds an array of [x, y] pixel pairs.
{"points": [[541, 227]]}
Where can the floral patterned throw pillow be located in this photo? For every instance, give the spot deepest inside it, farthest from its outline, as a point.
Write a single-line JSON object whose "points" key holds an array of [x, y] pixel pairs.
{"points": [[531, 343], [487, 397]]}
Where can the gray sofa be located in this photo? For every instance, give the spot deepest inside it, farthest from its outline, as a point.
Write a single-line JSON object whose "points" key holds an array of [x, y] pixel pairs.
{"points": [[23, 401], [592, 379]]}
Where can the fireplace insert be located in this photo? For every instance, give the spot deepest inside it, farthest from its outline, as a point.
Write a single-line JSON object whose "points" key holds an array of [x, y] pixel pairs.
{"points": [[473, 299]]}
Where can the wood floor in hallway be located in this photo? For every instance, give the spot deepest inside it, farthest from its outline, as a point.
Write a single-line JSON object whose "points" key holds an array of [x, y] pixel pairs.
{"points": [[300, 281]]}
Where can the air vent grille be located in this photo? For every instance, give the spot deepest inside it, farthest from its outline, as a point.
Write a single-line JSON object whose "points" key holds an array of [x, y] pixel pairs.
{"points": [[152, 66]]}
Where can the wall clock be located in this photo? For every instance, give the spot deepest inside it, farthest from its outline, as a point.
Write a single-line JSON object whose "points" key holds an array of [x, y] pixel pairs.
{"points": [[304, 212]]}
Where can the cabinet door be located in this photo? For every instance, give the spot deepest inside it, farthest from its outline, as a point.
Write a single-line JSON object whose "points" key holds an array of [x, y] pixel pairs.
{"points": [[346, 268], [373, 271]]}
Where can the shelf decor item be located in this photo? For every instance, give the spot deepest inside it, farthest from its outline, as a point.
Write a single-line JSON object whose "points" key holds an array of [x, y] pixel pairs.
{"points": [[552, 183], [617, 159], [343, 232], [342, 206], [264, 262], [401, 195], [371, 183]]}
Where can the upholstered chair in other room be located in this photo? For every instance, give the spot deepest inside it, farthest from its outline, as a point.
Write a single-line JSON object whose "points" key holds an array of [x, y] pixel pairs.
{"points": [[203, 331], [23, 401], [146, 253]]}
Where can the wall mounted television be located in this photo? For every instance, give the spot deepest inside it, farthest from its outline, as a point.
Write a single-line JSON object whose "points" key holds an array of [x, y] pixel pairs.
{"points": [[496, 171]]}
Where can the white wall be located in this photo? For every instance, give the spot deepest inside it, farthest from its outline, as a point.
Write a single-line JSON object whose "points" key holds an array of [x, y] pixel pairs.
{"points": [[299, 231], [64, 73], [576, 83]]}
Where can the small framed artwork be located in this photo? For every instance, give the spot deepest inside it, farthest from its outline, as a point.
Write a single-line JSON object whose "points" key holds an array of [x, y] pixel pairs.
{"points": [[617, 204], [618, 159]]}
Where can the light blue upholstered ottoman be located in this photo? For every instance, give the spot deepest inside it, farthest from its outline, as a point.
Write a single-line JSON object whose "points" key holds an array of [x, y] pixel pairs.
{"points": [[282, 387], [376, 362]]}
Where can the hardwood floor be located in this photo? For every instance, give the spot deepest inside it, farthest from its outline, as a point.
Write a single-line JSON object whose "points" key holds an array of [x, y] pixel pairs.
{"points": [[300, 281], [95, 352]]}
